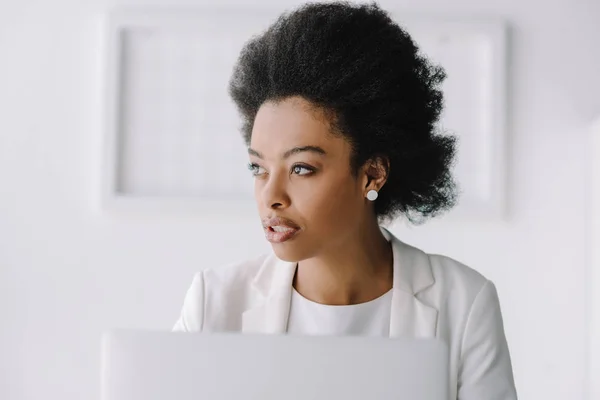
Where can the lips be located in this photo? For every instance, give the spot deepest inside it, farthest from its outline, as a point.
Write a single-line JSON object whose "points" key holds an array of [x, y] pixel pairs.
{"points": [[279, 230]]}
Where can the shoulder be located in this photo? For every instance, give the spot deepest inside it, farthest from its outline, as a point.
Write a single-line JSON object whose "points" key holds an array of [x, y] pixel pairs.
{"points": [[459, 291], [456, 275], [236, 277], [239, 272], [457, 287], [214, 289], [420, 271], [440, 281]]}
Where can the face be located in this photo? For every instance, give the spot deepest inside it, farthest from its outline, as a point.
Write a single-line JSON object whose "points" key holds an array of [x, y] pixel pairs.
{"points": [[308, 199]]}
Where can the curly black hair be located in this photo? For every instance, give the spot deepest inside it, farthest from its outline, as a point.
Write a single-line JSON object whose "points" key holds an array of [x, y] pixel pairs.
{"points": [[355, 63]]}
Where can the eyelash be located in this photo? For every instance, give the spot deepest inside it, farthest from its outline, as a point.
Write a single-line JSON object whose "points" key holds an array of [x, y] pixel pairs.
{"points": [[254, 168]]}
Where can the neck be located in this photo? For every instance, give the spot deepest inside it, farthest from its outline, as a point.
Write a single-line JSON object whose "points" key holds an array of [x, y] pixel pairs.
{"points": [[356, 271]]}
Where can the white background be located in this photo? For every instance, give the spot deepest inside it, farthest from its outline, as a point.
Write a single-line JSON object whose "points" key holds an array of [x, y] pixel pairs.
{"points": [[69, 270], [173, 120]]}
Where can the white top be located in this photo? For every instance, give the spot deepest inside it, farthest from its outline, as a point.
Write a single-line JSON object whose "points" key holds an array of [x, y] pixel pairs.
{"points": [[365, 319]]}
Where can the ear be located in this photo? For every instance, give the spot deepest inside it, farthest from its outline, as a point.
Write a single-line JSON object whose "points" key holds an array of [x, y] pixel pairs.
{"points": [[375, 173]]}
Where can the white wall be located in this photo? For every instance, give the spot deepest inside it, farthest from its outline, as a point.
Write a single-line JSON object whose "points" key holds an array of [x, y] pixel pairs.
{"points": [[69, 270], [593, 277]]}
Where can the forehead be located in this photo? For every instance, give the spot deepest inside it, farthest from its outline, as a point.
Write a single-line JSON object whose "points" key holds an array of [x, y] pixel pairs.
{"points": [[291, 122]]}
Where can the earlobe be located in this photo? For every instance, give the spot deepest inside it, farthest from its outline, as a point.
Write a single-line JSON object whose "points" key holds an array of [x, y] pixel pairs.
{"points": [[372, 195]]}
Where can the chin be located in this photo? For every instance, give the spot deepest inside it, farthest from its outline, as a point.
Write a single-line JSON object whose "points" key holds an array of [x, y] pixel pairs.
{"points": [[290, 253]]}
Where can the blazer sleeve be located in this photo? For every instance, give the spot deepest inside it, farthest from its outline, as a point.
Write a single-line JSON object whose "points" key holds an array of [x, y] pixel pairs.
{"points": [[485, 369], [192, 313]]}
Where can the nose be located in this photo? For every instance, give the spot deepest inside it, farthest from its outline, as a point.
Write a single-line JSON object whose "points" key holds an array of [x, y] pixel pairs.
{"points": [[272, 192]]}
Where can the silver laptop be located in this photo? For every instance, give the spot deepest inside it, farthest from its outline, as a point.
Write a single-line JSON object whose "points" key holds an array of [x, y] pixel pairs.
{"points": [[139, 365]]}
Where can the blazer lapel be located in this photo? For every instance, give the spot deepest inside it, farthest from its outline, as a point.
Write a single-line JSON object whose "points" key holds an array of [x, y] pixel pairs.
{"points": [[412, 274], [410, 317], [273, 285]]}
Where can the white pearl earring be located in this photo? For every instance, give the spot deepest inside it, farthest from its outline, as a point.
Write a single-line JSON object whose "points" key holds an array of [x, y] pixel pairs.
{"points": [[372, 195]]}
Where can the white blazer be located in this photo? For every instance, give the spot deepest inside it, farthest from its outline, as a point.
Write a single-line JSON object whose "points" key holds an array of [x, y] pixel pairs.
{"points": [[433, 296]]}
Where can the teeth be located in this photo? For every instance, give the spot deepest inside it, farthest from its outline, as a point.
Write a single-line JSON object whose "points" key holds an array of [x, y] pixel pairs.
{"points": [[281, 229]]}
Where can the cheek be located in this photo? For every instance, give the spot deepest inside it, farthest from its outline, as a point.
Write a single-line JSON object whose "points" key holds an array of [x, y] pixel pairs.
{"points": [[331, 205]]}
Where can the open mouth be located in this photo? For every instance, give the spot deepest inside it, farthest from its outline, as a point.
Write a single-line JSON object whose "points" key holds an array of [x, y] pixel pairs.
{"points": [[280, 229]]}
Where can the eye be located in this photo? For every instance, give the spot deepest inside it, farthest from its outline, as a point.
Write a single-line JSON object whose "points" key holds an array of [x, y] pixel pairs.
{"points": [[302, 170], [256, 169]]}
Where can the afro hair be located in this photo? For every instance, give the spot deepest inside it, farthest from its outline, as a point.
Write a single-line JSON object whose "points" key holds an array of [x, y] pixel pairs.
{"points": [[355, 63]]}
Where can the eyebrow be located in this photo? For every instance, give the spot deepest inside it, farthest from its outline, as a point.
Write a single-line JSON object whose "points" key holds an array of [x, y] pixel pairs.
{"points": [[295, 150]]}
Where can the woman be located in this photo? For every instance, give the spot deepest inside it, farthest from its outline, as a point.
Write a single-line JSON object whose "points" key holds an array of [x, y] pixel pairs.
{"points": [[339, 114]]}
